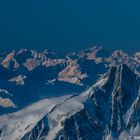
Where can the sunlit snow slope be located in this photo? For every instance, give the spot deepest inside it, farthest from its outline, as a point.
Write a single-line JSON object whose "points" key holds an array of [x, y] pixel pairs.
{"points": [[110, 109]]}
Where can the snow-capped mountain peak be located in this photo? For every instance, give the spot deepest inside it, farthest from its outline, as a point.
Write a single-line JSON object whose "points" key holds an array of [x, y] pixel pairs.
{"points": [[97, 113]]}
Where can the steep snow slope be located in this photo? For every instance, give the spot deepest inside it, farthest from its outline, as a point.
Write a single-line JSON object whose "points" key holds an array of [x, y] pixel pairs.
{"points": [[108, 109], [15, 126]]}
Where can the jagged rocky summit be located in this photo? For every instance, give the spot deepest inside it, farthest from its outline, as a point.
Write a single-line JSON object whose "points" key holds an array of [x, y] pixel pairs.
{"points": [[108, 110]]}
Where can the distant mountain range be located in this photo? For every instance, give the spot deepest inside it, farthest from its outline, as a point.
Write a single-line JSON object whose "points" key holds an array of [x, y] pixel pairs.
{"points": [[99, 95], [75, 68], [28, 76]]}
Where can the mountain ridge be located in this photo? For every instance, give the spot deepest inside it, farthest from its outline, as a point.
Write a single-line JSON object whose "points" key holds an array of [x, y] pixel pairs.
{"points": [[31, 75], [106, 110]]}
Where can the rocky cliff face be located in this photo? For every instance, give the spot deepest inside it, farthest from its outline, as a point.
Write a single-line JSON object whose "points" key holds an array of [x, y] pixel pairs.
{"points": [[105, 111], [47, 72]]}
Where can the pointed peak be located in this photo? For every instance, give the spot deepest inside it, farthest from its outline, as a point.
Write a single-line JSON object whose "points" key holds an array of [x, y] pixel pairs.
{"points": [[121, 72], [120, 68], [122, 76]]}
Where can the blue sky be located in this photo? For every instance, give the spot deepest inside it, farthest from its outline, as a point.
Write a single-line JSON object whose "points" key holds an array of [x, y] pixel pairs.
{"points": [[69, 25]]}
